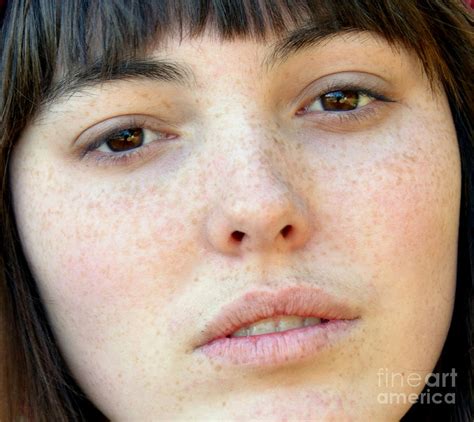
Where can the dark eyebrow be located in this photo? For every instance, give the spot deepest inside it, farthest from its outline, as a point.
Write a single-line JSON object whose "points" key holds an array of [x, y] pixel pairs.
{"points": [[126, 69], [302, 38]]}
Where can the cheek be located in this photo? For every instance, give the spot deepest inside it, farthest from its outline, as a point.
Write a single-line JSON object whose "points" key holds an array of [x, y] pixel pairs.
{"points": [[414, 209], [404, 228], [429, 219], [108, 266], [397, 206], [94, 248]]}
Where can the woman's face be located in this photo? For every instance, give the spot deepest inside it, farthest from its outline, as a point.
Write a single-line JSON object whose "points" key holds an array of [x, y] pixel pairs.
{"points": [[251, 193]]}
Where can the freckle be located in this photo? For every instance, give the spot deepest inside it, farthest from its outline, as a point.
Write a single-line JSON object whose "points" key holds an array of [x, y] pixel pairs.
{"points": [[409, 157], [142, 244], [223, 404], [218, 368]]}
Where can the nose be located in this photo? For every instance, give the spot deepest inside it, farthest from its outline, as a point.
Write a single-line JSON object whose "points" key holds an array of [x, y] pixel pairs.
{"points": [[258, 212]]}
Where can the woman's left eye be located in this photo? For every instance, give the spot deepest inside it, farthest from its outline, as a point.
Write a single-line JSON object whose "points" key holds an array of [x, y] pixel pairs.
{"points": [[127, 139], [340, 100]]}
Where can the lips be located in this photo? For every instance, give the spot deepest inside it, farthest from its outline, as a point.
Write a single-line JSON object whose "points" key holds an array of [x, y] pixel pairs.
{"points": [[279, 347]]}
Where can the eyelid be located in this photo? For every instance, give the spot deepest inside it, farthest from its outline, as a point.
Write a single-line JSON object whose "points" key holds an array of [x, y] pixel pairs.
{"points": [[148, 137], [364, 82], [368, 93], [93, 137]]}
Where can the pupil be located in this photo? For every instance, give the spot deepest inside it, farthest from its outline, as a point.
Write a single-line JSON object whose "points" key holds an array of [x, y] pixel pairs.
{"points": [[340, 100], [126, 139]]}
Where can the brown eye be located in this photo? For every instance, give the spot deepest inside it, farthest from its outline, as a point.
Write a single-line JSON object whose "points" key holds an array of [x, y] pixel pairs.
{"points": [[340, 100], [125, 140]]}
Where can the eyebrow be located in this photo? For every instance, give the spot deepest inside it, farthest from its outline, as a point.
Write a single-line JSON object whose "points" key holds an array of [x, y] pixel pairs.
{"points": [[126, 69], [302, 38], [165, 70]]}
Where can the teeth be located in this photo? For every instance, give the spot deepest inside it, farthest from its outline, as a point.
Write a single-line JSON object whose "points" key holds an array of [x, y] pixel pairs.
{"points": [[290, 322], [272, 325], [263, 327], [308, 322], [243, 332]]}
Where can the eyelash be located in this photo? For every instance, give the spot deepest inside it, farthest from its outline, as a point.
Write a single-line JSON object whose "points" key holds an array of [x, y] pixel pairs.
{"points": [[357, 115], [124, 158]]}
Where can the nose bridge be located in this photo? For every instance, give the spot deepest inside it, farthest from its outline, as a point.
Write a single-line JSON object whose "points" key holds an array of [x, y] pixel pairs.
{"points": [[251, 163], [257, 206], [247, 147]]}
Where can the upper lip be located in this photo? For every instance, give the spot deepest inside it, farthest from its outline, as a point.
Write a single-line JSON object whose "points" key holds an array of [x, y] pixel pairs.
{"points": [[261, 304]]}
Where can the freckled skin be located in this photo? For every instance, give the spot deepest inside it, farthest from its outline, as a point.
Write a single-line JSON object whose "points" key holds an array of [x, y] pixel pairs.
{"points": [[132, 263]]}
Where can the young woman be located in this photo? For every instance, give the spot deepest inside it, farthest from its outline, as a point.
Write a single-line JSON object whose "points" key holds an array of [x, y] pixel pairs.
{"points": [[237, 210]]}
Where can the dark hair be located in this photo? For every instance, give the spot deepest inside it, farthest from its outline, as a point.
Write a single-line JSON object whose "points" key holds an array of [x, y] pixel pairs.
{"points": [[41, 39]]}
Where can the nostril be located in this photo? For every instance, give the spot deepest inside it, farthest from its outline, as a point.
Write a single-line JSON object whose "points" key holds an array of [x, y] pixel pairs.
{"points": [[286, 230], [237, 235]]}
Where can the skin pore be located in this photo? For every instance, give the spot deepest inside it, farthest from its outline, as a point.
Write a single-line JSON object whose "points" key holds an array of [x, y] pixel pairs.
{"points": [[134, 257]]}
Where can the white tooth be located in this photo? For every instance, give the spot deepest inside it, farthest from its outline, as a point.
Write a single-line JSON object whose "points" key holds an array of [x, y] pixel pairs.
{"points": [[243, 332], [308, 322], [277, 324], [264, 326], [289, 322]]}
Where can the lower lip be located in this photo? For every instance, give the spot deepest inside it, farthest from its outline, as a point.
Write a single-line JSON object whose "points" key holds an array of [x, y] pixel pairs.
{"points": [[278, 348]]}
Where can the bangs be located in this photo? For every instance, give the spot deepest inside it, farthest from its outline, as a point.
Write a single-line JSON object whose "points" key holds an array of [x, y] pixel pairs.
{"points": [[89, 32]]}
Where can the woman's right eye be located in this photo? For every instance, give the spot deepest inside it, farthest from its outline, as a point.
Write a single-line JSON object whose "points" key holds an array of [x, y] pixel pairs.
{"points": [[124, 140], [121, 146]]}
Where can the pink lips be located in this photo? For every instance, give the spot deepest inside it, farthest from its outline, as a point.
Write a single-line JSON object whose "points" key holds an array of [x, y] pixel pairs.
{"points": [[280, 347]]}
